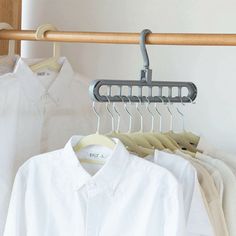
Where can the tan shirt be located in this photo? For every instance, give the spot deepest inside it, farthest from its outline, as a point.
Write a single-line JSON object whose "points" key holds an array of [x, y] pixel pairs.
{"points": [[229, 195], [211, 196]]}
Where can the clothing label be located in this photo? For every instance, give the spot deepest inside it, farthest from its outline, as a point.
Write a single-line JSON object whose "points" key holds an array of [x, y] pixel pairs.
{"points": [[43, 73], [94, 154]]}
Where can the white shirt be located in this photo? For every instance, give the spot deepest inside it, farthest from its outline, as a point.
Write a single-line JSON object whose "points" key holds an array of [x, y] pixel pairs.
{"points": [[208, 149], [39, 112], [211, 196], [56, 195], [197, 220], [229, 196]]}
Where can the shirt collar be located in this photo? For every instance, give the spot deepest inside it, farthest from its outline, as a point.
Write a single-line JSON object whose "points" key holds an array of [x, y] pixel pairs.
{"points": [[7, 64], [35, 89], [108, 177]]}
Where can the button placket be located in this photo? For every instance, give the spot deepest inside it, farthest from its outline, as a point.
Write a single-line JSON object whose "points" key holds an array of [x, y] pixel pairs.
{"points": [[91, 219], [94, 215]]}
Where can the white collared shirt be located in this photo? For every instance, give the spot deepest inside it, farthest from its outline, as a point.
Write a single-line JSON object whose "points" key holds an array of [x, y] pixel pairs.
{"points": [[208, 149], [39, 112], [55, 194], [197, 219]]}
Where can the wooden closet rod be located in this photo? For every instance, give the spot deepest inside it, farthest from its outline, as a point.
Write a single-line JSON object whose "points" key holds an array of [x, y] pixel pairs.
{"points": [[124, 38]]}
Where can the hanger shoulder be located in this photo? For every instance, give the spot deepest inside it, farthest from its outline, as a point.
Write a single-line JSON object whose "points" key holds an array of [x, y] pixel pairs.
{"points": [[167, 142], [191, 137], [94, 139], [50, 63], [154, 141], [140, 140], [182, 141]]}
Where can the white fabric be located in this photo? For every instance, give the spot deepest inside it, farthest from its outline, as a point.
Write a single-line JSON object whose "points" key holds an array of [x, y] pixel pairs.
{"points": [[197, 220], [229, 196], [7, 64], [210, 196], [209, 149], [54, 194], [36, 117], [217, 178]]}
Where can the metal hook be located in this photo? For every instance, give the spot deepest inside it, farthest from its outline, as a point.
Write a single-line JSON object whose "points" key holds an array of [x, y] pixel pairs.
{"points": [[139, 112], [159, 114], [181, 114], [146, 73], [98, 117], [128, 112], [118, 114], [110, 112], [170, 112], [151, 113], [191, 100]]}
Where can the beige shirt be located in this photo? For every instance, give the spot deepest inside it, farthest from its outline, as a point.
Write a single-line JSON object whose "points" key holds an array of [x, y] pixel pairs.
{"points": [[211, 195], [216, 176], [229, 196]]}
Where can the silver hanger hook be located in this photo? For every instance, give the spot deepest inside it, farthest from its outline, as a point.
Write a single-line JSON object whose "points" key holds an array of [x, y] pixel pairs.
{"points": [[139, 112], [143, 47], [98, 117], [128, 112], [151, 113], [170, 112], [190, 99], [110, 112], [118, 115], [181, 114], [159, 113]]}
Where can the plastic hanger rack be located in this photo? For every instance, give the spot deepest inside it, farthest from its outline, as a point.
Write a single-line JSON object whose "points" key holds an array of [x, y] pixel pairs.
{"points": [[156, 89]]}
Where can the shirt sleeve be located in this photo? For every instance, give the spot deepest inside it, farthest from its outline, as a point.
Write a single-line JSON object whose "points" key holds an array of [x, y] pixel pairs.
{"points": [[16, 218], [198, 222]]}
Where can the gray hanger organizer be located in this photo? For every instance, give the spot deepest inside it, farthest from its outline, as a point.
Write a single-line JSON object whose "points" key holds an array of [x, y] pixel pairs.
{"points": [[156, 91]]}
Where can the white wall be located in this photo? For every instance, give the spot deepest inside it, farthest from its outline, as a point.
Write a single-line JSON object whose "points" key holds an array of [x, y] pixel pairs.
{"points": [[213, 69]]}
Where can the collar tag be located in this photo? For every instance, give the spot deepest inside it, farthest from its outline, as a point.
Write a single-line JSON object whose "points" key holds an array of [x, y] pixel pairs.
{"points": [[93, 156]]}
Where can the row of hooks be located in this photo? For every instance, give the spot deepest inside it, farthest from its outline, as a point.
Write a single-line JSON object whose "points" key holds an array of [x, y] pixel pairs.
{"points": [[116, 128]]}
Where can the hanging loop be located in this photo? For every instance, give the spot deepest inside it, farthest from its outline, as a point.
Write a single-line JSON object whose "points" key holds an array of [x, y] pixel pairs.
{"points": [[146, 73], [12, 43], [40, 34]]}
